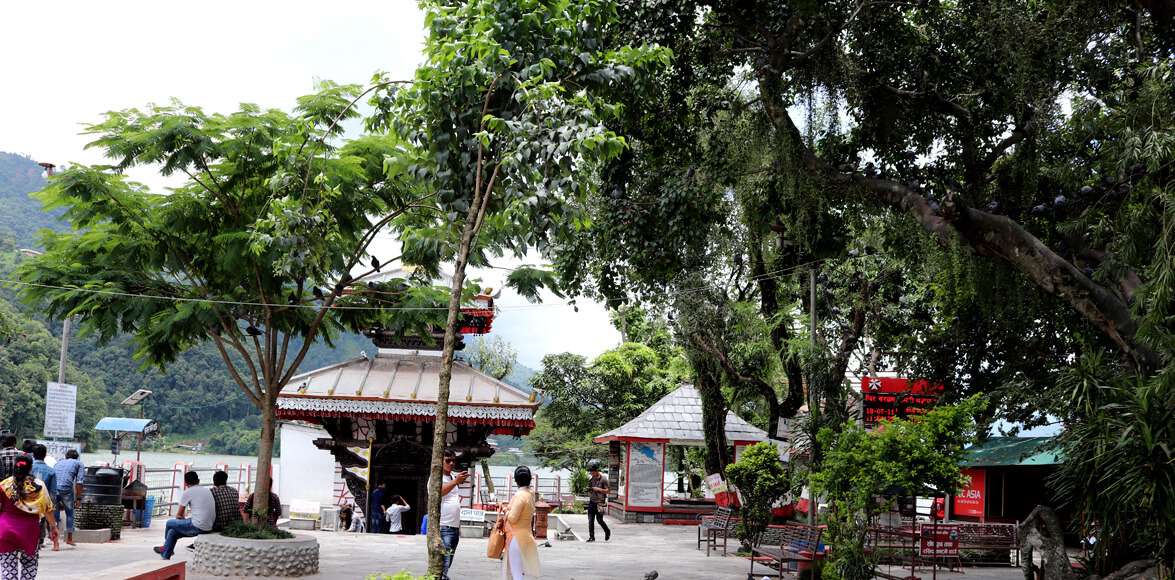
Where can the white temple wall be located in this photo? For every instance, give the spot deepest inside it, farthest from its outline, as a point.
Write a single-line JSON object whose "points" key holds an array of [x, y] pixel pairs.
{"points": [[307, 473]]}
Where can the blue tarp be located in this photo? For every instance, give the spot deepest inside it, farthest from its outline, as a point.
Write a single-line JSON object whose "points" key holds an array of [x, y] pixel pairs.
{"points": [[127, 425]]}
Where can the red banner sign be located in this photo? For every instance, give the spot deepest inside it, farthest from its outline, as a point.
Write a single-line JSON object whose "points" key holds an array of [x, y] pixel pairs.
{"points": [[939, 540], [970, 500], [890, 398]]}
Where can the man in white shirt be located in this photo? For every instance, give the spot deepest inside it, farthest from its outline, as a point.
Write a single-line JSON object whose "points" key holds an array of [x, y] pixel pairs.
{"points": [[450, 510], [202, 517], [394, 511]]}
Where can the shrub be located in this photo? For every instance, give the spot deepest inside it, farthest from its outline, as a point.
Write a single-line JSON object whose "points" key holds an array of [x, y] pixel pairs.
{"points": [[248, 531], [579, 481], [762, 480]]}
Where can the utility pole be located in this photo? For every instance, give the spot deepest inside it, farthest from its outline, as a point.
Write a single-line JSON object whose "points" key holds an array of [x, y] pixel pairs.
{"points": [[813, 401], [64, 350]]}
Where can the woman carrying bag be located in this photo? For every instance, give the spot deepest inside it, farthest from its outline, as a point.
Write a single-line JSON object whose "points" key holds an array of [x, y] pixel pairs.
{"points": [[23, 502], [522, 555]]}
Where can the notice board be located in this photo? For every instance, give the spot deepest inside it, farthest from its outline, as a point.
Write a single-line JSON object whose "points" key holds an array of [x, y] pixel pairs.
{"points": [[646, 474], [60, 410], [896, 398]]}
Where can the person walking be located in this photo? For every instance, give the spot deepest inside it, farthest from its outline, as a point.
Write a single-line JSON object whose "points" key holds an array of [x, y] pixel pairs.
{"points": [[375, 509], [395, 513], [23, 502], [227, 500], [48, 476], [69, 488], [345, 514], [522, 555], [450, 523], [598, 500], [8, 454], [202, 517]]}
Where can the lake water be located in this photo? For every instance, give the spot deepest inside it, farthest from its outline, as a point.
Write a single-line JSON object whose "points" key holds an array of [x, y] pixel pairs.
{"points": [[161, 460]]}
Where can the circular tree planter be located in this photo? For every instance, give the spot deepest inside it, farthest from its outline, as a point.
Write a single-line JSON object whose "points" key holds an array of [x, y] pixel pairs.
{"points": [[217, 555]]}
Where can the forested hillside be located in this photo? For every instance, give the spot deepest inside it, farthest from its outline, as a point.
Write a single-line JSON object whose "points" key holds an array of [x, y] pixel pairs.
{"points": [[194, 396], [21, 216]]}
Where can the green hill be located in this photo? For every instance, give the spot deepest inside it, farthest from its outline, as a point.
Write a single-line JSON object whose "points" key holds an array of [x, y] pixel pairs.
{"points": [[21, 216]]}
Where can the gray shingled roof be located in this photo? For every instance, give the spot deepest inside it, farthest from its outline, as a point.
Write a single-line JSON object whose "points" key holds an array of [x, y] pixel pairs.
{"points": [[678, 418]]}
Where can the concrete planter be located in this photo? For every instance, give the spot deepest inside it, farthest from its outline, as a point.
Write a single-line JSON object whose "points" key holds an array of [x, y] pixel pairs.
{"points": [[217, 555]]}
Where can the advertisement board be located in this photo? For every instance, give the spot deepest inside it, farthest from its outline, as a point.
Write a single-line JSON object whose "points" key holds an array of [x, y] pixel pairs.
{"points": [[646, 474], [60, 410], [970, 500], [57, 449]]}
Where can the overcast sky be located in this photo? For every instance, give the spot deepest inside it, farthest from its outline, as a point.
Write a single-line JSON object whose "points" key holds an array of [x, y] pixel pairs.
{"points": [[66, 63]]}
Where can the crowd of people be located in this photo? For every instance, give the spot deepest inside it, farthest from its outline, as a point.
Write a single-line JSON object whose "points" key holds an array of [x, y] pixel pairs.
{"points": [[35, 498]]}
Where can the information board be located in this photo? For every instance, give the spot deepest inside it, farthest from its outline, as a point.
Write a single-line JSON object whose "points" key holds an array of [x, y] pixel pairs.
{"points": [[60, 410], [57, 449], [646, 474], [938, 541], [890, 398]]}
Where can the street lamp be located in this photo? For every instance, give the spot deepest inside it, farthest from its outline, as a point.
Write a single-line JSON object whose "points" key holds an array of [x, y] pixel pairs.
{"points": [[64, 327]]}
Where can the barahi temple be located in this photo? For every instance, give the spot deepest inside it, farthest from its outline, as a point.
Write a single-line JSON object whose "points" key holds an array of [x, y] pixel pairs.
{"points": [[374, 416]]}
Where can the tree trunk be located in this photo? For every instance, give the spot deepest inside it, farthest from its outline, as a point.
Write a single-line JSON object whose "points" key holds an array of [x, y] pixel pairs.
{"points": [[1041, 531], [485, 473], [713, 417], [436, 550], [264, 462]]}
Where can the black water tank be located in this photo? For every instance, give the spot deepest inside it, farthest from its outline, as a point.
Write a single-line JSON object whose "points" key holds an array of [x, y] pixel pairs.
{"points": [[102, 486]]}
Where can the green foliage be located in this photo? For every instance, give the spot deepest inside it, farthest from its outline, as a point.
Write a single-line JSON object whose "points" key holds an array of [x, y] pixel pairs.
{"points": [[27, 362], [401, 575], [761, 480], [902, 457], [250, 531], [586, 400], [493, 356], [21, 216], [1118, 477], [580, 480]]}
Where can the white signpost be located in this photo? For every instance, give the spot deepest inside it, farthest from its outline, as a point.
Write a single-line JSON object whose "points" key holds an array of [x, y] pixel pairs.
{"points": [[60, 410], [57, 449]]}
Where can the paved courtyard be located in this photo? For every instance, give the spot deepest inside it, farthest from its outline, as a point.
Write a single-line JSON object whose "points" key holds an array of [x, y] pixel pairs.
{"points": [[634, 551]]}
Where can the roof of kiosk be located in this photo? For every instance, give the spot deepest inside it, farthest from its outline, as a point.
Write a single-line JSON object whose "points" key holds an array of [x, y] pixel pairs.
{"points": [[677, 419], [402, 385]]}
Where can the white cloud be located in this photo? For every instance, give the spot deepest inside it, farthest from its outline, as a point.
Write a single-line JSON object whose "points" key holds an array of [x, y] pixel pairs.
{"points": [[67, 63]]}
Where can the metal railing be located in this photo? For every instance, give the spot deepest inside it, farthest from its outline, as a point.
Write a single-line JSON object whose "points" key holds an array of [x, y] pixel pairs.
{"points": [[166, 484]]}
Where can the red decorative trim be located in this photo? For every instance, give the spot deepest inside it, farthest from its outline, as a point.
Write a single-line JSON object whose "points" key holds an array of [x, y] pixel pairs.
{"points": [[314, 416], [391, 400]]}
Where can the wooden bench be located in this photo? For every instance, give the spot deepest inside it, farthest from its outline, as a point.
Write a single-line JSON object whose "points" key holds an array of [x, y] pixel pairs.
{"points": [[154, 569], [710, 527], [779, 546]]}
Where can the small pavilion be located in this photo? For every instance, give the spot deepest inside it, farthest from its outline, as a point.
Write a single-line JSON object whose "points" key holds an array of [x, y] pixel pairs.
{"points": [[637, 457]]}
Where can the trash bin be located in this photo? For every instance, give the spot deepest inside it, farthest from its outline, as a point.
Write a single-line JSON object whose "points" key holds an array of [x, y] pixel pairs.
{"points": [[148, 511]]}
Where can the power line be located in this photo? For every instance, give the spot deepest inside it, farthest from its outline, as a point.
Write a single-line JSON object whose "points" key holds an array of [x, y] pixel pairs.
{"points": [[764, 276]]}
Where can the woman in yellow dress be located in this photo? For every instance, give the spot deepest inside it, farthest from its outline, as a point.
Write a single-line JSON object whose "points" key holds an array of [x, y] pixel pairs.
{"points": [[522, 555]]}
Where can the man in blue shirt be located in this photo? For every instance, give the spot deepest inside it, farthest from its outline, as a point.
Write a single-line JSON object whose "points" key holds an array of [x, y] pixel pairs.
{"points": [[69, 487], [43, 472]]}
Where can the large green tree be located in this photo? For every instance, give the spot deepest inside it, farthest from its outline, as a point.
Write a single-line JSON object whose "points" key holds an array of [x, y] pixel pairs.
{"points": [[504, 123], [265, 242]]}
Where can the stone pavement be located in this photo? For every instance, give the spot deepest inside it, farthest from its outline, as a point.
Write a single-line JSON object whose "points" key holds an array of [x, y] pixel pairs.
{"points": [[635, 550]]}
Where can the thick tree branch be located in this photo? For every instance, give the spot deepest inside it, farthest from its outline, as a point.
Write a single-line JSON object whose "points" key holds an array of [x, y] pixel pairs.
{"points": [[228, 363], [988, 234], [759, 385]]}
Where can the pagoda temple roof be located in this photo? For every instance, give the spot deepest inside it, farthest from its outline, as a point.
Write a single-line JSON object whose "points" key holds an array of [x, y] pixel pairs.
{"points": [[403, 385], [677, 419]]}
